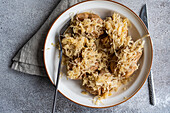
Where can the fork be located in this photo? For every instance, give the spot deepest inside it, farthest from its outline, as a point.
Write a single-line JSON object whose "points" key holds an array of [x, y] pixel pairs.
{"points": [[59, 65]]}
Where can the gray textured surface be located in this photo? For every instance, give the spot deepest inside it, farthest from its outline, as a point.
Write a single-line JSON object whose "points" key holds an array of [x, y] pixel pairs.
{"points": [[19, 92]]}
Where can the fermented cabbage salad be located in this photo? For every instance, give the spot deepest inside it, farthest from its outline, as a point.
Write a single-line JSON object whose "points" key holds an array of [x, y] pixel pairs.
{"points": [[100, 53]]}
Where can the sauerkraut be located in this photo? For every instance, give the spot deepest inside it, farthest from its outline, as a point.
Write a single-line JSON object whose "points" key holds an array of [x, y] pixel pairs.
{"points": [[100, 53]]}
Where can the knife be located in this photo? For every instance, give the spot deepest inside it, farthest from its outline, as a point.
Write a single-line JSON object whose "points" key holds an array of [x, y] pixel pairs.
{"points": [[143, 16]]}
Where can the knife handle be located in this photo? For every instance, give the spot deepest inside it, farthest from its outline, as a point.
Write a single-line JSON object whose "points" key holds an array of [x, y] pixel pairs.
{"points": [[151, 89]]}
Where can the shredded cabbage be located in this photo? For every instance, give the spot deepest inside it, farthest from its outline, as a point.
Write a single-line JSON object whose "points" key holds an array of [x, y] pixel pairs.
{"points": [[100, 53]]}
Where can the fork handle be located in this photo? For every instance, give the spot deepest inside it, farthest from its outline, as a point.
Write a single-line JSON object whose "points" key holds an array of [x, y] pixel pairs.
{"points": [[55, 100], [57, 80]]}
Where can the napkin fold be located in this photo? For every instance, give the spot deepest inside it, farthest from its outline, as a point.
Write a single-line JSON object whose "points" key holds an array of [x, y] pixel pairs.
{"points": [[29, 59]]}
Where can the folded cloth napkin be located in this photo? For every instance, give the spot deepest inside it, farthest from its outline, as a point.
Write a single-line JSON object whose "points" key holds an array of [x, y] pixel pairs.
{"points": [[29, 59]]}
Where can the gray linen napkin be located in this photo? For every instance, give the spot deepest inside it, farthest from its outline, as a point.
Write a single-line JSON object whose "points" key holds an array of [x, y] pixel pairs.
{"points": [[29, 59]]}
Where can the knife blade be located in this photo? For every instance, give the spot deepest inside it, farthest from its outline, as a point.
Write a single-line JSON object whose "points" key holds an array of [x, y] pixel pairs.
{"points": [[143, 16]]}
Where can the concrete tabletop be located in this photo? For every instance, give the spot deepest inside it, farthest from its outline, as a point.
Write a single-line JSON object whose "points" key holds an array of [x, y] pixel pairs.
{"points": [[24, 93]]}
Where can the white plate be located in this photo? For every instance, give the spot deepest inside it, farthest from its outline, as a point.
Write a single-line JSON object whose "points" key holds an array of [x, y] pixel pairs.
{"points": [[71, 89]]}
